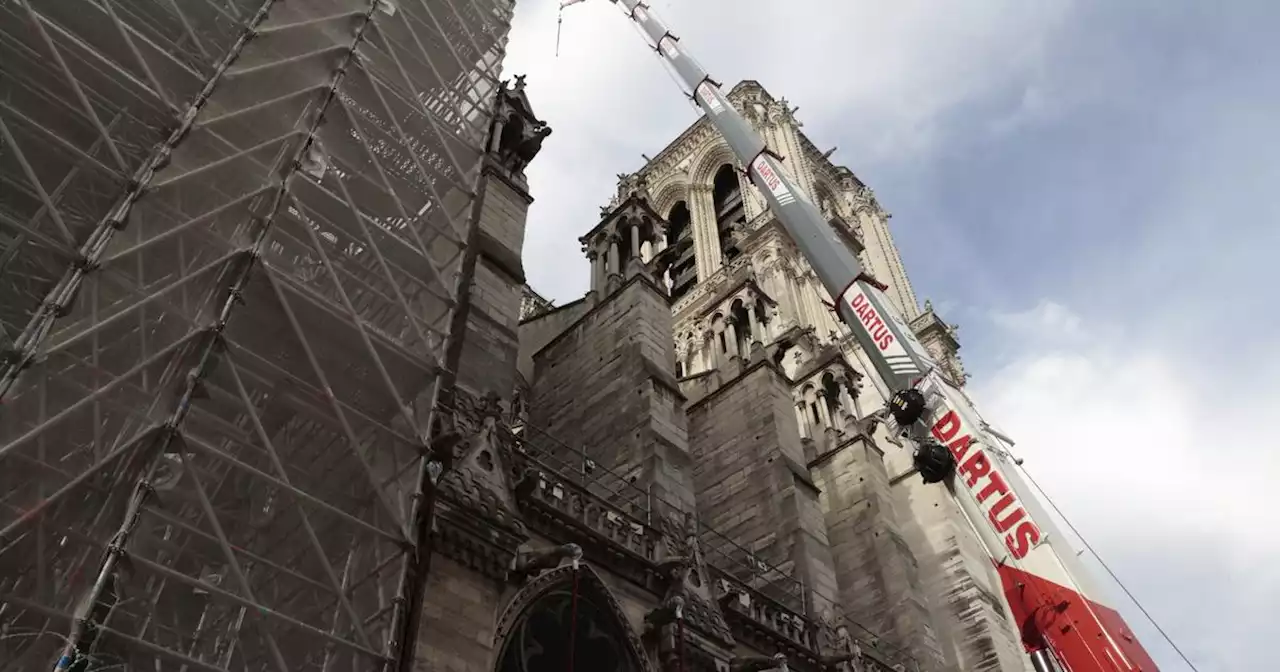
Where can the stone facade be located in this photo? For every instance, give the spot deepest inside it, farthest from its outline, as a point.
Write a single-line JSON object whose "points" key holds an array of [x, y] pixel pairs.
{"points": [[906, 564], [563, 514], [686, 469]]}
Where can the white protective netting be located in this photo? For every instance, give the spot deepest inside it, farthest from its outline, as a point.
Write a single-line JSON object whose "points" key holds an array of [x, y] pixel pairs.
{"points": [[230, 237]]}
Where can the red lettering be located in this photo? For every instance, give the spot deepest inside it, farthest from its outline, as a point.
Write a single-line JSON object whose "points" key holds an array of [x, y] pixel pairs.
{"points": [[770, 177], [885, 341], [946, 426], [1023, 538], [975, 467], [995, 483], [960, 446], [858, 300], [1010, 520], [1007, 516]]}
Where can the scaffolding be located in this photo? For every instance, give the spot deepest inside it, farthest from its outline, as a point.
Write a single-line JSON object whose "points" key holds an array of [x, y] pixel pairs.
{"points": [[231, 235]]}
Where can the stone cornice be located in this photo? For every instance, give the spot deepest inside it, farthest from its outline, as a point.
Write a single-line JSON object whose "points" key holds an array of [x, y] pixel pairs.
{"points": [[635, 200], [640, 278], [562, 509], [473, 542], [673, 153], [551, 311]]}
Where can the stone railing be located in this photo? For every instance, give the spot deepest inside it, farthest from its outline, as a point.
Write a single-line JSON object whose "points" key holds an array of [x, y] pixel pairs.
{"points": [[763, 605], [546, 486]]}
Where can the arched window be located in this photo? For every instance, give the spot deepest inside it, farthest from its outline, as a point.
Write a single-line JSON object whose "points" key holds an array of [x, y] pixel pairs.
{"points": [[684, 272], [512, 133], [741, 327], [557, 624], [719, 341], [831, 391], [810, 397], [623, 231], [731, 217]]}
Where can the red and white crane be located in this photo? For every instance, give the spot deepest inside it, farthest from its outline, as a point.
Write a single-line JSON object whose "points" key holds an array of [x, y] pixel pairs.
{"points": [[1063, 625]]}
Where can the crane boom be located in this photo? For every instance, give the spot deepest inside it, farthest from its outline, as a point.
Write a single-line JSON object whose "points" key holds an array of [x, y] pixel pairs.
{"points": [[1059, 621]]}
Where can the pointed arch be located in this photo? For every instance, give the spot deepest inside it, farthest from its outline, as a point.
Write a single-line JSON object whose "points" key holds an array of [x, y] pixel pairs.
{"points": [[708, 159], [668, 194], [533, 628]]}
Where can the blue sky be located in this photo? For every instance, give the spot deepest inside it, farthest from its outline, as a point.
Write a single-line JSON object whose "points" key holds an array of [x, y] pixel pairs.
{"points": [[1088, 188]]}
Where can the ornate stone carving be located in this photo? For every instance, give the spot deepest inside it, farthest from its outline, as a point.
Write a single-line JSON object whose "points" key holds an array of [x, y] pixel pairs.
{"points": [[529, 563], [777, 661], [635, 184], [587, 582]]}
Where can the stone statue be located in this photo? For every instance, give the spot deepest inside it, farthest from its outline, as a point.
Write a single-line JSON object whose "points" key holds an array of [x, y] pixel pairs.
{"points": [[527, 564], [522, 154]]}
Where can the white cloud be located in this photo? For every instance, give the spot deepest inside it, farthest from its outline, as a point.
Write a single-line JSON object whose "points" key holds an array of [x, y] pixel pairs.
{"points": [[874, 76], [1159, 467]]}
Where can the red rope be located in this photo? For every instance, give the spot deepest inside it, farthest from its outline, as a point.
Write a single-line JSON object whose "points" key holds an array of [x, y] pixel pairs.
{"points": [[680, 644], [573, 618]]}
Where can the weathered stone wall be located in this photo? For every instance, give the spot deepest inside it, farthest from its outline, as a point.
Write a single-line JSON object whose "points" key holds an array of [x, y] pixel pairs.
{"points": [[877, 570], [537, 332], [491, 344], [956, 572], [457, 630], [607, 386], [752, 482]]}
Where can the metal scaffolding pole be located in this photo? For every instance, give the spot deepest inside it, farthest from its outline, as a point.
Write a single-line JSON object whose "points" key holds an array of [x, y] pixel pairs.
{"points": [[232, 236]]}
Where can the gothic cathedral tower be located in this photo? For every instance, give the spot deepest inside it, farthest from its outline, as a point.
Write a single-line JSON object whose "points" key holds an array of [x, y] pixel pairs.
{"points": [[872, 545]]}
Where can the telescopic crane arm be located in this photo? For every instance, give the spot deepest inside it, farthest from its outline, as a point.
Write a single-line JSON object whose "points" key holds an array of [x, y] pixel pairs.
{"points": [[1060, 622]]}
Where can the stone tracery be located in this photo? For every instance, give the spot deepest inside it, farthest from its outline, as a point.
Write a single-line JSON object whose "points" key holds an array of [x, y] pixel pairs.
{"points": [[562, 611]]}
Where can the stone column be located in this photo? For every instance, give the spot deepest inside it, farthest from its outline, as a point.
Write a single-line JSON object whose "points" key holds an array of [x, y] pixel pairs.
{"points": [[824, 413], [754, 320], [731, 337], [495, 140], [613, 273], [705, 236], [803, 419], [594, 257], [635, 239], [846, 400], [852, 390]]}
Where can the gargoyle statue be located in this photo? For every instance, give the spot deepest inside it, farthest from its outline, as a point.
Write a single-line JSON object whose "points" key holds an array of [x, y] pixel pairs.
{"points": [[664, 618], [442, 453], [527, 484], [759, 663], [532, 563], [677, 571], [522, 154]]}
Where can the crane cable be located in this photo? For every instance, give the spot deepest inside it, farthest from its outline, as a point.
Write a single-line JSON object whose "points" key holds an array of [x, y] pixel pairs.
{"points": [[679, 638], [559, 23], [1108, 570]]}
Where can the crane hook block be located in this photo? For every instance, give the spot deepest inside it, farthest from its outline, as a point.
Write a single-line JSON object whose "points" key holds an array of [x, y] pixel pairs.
{"points": [[934, 462], [907, 406]]}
